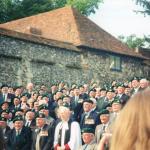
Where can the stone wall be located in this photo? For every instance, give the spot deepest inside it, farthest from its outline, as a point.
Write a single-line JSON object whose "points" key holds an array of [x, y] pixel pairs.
{"points": [[23, 61]]}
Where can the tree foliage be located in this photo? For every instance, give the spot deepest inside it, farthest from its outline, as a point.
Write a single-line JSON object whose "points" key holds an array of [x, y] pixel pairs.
{"points": [[134, 42], [15, 9], [146, 6]]}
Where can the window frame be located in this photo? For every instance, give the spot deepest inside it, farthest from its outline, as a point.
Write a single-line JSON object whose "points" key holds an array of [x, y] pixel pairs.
{"points": [[117, 66]]}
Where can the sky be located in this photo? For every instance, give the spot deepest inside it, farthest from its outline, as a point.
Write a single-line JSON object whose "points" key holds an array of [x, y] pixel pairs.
{"points": [[118, 18]]}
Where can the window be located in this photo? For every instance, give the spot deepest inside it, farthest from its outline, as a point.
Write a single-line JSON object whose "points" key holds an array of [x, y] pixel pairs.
{"points": [[115, 63]]}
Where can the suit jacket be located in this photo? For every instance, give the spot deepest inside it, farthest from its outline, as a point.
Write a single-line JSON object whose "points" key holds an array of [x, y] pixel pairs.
{"points": [[9, 98], [32, 124], [46, 140], [123, 99], [90, 146], [22, 142], [77, 108], [101, 103], [89, 121], [100, 129]]}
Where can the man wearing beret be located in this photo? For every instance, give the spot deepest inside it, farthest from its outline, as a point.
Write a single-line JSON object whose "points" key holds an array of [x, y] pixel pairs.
{"points": [[88, 139], [116, 107], [30, 119], [101, 99], [8, 115], [109, 98], [5, 128], [42, 135], [103, 127], [4, 105], [45, 110], [121, 95], [19, 138], [135, 85], [89, 118]]}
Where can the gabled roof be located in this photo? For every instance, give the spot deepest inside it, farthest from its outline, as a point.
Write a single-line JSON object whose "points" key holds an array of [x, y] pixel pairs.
{"points": [[65, 26]]}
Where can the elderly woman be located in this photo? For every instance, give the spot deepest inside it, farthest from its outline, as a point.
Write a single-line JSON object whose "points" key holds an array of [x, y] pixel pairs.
{"points": [[67, 132]]}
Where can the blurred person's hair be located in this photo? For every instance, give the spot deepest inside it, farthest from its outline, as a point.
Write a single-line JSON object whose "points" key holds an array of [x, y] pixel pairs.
{"points": [[132, 127]]}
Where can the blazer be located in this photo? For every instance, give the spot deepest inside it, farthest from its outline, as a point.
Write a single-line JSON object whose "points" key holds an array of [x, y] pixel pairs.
{"points": [[46, 139], [22, 142]]}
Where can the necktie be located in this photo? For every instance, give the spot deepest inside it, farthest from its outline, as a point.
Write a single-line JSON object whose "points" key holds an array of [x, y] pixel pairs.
{"points": [[4, 96], [104, 128], [27, 124], [85, 147]]}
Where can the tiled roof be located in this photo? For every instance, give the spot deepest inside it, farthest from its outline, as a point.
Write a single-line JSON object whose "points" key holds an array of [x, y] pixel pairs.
{"points": [[66, 28]]}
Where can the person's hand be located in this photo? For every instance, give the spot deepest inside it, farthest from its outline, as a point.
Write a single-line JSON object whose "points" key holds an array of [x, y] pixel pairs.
{"points": [[106, 137], [104, 141], [60, 148]]}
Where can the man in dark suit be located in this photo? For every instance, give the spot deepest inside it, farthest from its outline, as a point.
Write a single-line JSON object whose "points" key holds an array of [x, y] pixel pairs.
{"points": [[121, 95], [104, 126], [19, 138], [5, 128], [30, 119], [101, 99], [76, 103], [42, 135], [89, 118], [135, 85], [5, 96]]}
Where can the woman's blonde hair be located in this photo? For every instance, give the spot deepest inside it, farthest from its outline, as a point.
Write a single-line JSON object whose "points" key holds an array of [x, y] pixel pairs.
{"points": [[132, 127]]}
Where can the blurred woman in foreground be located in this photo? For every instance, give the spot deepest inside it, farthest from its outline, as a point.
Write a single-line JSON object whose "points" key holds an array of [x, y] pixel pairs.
{"points": [[132, 127]]}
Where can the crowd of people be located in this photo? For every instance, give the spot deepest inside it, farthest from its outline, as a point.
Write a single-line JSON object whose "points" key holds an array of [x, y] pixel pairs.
{"points": [[79, 117]]}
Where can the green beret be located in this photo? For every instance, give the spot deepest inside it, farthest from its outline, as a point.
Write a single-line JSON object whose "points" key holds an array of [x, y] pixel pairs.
{"points": [[103, 89], [6, 111], [24, 94], [4, 85], [135, 78], [116, 100], [88, 101], [3, 119], [5, 103], [44, 95], [110, 89], [43, 106], [40, 115], [87, 130], [120, 84], [103, 111], [66, 105], [18, 118]]}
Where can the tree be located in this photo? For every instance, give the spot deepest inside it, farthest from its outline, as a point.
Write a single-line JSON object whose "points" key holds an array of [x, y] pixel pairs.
{"points": [[15, 9], [146, 6], [133, 41]]}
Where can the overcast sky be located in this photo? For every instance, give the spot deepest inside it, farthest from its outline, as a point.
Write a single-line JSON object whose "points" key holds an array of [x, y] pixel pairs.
{"points": [[118, 18]]}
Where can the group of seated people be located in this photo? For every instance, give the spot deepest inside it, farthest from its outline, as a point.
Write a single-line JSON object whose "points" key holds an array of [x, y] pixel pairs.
{"points": [[64, 118]]}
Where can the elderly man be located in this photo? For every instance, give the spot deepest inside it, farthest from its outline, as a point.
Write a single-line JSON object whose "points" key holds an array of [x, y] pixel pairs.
{"points": [[19, 138], [88, 139], [104, 126], [89, 118], [42, 135], [143, 84], [67, 132]]}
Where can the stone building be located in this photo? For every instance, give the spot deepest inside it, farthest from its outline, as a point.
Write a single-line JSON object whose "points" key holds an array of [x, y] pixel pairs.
{"points": [[64, 45]]}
